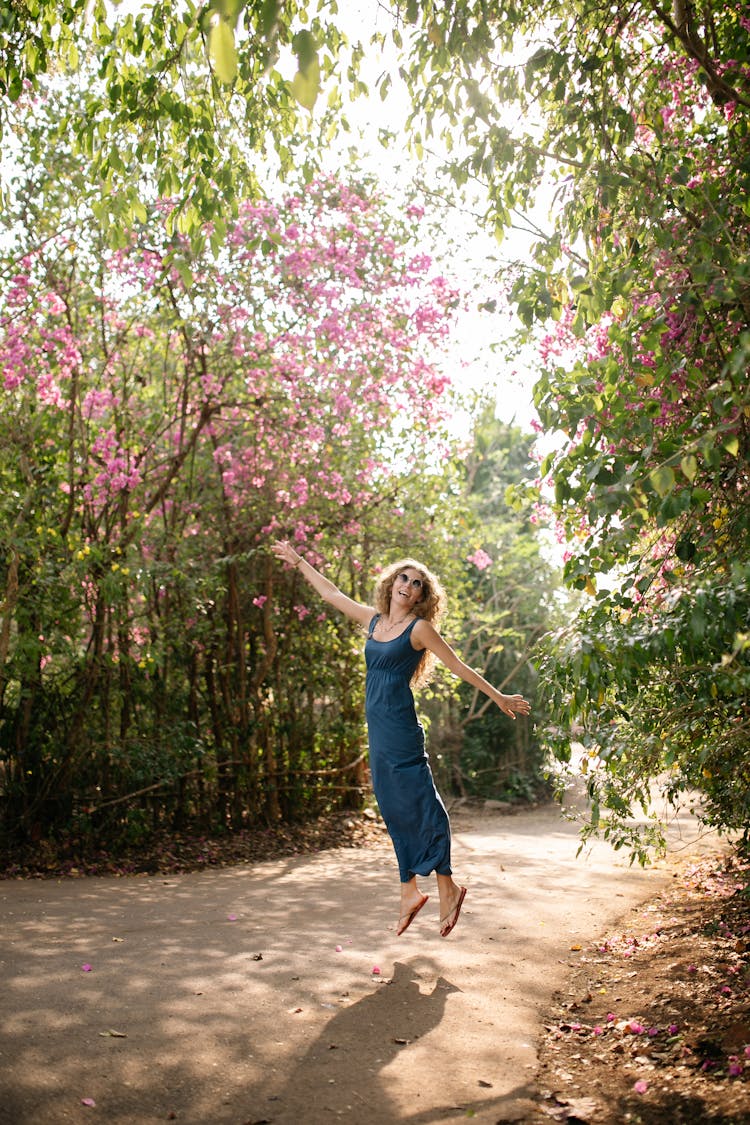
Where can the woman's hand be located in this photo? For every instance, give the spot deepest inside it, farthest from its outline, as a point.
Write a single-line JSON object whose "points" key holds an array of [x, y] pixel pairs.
{"points": [[284, 550], [513, 705]]}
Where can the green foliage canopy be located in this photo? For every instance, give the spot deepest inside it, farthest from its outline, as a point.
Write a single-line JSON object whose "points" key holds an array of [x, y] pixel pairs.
{"points": [[163, 417], [199, 99], [633, 119], [507, 603]]}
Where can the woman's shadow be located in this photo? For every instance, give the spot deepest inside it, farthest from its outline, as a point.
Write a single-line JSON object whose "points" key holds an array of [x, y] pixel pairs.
{"points": [[340, 1074]]}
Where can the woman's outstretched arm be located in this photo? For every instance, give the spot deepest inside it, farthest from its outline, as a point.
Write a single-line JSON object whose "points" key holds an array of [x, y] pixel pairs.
{"points": [[330, 593], [425, 635]]}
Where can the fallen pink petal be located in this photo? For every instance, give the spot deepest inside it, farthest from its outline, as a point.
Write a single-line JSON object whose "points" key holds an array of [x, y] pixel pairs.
{"points": [[375, 971], [231, 917], [86, 968], [339, 949], [641, 1086], [88, 1102]]}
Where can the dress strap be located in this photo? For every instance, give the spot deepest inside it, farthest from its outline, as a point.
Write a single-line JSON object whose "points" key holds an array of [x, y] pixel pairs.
{"points": [[373, 623]]}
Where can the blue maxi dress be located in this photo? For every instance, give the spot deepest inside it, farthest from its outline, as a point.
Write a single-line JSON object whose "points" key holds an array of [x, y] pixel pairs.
{"points": [[409, 803]]}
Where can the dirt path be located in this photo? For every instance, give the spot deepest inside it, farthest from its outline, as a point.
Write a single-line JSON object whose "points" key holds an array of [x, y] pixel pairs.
{"points": [[248, 994]]}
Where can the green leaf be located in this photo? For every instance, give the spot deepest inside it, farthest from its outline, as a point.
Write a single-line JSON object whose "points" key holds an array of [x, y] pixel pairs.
{"points": [[306, 49], [306, 82], [700, 496], [685, 550], [269, 15], [689, 466], [732, 445], [223, 52], [662, 479]]}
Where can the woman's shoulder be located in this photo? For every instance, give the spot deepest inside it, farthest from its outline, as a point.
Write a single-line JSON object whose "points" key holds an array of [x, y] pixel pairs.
{"points": [[421, 632]]}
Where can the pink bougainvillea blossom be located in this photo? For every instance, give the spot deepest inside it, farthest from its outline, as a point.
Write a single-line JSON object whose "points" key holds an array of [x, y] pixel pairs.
{"points": [[480, 559]]}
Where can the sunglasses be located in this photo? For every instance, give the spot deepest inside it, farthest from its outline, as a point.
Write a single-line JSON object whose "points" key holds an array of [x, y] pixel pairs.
{"points": [[417, 583]]}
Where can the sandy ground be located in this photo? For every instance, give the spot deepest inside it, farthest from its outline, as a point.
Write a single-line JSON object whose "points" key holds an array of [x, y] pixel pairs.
{"points": [[249, 994]]}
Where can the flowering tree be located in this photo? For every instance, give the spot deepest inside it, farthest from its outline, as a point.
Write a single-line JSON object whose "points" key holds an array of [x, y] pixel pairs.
{"points": [[637, 115], [170, 416], [651, 483]]}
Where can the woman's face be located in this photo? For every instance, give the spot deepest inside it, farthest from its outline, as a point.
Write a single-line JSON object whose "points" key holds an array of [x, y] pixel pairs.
{"points": [[408, 589]]}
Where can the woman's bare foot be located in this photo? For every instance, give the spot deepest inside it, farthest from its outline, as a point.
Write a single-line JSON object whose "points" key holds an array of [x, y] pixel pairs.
{"points": [[412, 901], [451, 901], [406, 919]]}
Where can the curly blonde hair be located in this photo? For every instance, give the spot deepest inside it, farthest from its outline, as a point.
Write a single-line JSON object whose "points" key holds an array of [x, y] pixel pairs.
{"points": [[430, 607]]}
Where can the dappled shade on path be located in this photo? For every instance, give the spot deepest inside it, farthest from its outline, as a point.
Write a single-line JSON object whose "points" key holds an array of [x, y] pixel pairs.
{"points": [[236, 1005]]}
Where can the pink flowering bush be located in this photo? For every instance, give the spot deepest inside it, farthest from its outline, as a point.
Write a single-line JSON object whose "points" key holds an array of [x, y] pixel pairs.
{"points": [[643, 381], [163, 415]]}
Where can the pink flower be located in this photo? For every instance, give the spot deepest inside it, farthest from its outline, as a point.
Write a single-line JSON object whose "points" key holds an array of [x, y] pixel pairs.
{"points": [[480, 559], [260, 601], [55, 304]]}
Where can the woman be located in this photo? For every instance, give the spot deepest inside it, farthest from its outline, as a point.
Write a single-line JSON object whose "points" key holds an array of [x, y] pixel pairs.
{"points": [[402, 644]]}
